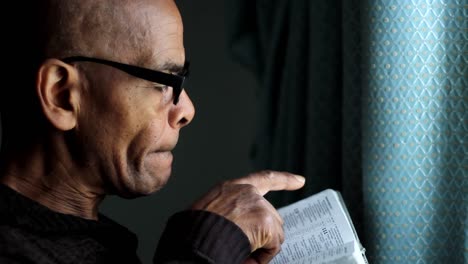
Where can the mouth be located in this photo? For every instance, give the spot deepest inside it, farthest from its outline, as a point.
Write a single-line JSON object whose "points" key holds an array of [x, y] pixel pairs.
{"points": [[163, 149], [162, 155]]}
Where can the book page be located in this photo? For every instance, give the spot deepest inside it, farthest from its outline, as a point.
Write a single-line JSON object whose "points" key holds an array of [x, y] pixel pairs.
{"points": [[318, 230]]}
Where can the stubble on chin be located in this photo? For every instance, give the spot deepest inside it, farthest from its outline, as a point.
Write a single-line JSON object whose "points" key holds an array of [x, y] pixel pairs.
{"points": [[151, 175]]}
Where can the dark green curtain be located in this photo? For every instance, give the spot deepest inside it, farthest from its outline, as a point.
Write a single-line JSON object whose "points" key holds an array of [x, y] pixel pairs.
{"points": [[305, 55], [369, 98]]}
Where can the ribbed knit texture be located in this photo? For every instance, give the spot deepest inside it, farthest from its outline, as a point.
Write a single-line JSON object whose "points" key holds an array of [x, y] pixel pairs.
{"points": [[202, 236], [32, 233]]}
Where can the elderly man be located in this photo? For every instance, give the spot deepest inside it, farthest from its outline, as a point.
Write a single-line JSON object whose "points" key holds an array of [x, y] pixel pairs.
{"points": [[102, 89]]}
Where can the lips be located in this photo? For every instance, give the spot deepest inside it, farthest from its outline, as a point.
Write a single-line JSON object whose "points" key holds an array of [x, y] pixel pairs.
{"points": [[162, 151], [165, 154], [165, 148]]}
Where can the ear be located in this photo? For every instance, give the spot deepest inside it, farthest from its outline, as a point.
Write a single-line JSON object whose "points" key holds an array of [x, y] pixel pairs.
{"points": [[57, 85]]}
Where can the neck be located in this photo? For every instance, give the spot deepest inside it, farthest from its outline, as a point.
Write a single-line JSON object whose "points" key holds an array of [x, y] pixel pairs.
{"points": [[48, 178]]}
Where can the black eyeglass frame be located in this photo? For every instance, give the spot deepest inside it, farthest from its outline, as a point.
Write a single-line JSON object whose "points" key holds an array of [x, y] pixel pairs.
{"points": [[176, 81]]}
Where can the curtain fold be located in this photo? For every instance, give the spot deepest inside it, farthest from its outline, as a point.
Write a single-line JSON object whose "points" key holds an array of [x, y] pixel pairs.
{"points": [[299, 78], [296, 50], [369, 98]]}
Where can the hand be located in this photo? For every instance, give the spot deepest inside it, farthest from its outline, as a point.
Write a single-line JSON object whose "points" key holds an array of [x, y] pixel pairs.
{"points": [[242, 202]]}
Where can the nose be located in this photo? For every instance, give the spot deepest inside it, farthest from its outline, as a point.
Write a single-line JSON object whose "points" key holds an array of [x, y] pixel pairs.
{"points": [[183, 112]]}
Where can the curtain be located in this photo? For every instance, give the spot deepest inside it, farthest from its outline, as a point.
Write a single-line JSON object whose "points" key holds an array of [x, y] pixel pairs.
{"points": [[415, 131], [369, 98]]}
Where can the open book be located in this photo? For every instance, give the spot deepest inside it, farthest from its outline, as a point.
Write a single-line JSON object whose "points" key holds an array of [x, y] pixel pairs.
{"points": [[318, 229]]}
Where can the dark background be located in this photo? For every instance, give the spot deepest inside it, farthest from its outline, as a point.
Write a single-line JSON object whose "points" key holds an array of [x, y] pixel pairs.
{"points": [[216, 145]]}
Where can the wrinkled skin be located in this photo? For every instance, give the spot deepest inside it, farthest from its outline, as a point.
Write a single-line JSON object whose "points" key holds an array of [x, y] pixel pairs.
{"points": [[241, 201]]}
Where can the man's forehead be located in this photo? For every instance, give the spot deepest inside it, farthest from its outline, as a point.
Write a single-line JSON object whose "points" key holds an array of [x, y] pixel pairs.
{"points": [[166, 65], [162, 31], [158, 14]]}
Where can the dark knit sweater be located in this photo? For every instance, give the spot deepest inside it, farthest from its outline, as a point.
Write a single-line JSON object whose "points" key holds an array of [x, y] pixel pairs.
{"points": [[32, 233]]}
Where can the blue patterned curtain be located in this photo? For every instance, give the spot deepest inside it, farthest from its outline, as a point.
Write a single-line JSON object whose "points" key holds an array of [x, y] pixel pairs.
{"points": [[370, 98], [415, 131]]}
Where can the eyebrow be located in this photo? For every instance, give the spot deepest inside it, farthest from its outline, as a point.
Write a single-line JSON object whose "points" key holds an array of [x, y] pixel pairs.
{"points": [[173, 67]]}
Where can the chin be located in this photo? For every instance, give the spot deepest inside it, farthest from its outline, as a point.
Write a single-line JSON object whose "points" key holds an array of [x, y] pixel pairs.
{"points": [[155, 184], [146, 184], [151, 176]]}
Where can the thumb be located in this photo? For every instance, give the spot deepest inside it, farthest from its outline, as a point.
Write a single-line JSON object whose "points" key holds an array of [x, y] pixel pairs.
{"points": [[266, 181]]}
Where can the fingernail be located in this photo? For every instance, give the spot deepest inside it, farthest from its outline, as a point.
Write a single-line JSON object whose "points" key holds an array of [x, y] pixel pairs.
{"points": [[300, 178]]}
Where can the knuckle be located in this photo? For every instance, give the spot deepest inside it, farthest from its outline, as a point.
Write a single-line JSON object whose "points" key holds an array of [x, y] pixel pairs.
{"points": [[267, 220], [248, 188], [268, 174], [260, 203], [229, 187]]}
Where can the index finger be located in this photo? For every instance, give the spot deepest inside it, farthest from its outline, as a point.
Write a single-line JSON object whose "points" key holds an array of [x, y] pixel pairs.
{"points": [[266, 181]]}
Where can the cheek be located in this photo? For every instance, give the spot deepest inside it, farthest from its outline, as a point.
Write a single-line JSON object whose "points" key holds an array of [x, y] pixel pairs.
{"points": [[152, 122], [145, 130], [153, 134], [127, 121], [108, 122]]}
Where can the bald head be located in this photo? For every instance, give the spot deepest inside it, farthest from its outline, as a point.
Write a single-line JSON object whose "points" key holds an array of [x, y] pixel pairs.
{"points": [[85, 27], [128, 31], [123, 29]]}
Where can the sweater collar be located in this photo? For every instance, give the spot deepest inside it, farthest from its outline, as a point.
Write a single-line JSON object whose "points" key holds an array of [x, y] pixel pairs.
{"points": [[19, 210]]}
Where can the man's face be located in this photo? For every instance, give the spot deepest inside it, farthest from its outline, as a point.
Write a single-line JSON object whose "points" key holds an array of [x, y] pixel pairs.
{"points": [[129, 126]]}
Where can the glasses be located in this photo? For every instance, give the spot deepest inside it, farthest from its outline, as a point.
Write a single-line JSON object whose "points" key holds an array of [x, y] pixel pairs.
{"points": [[176, 81]]}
